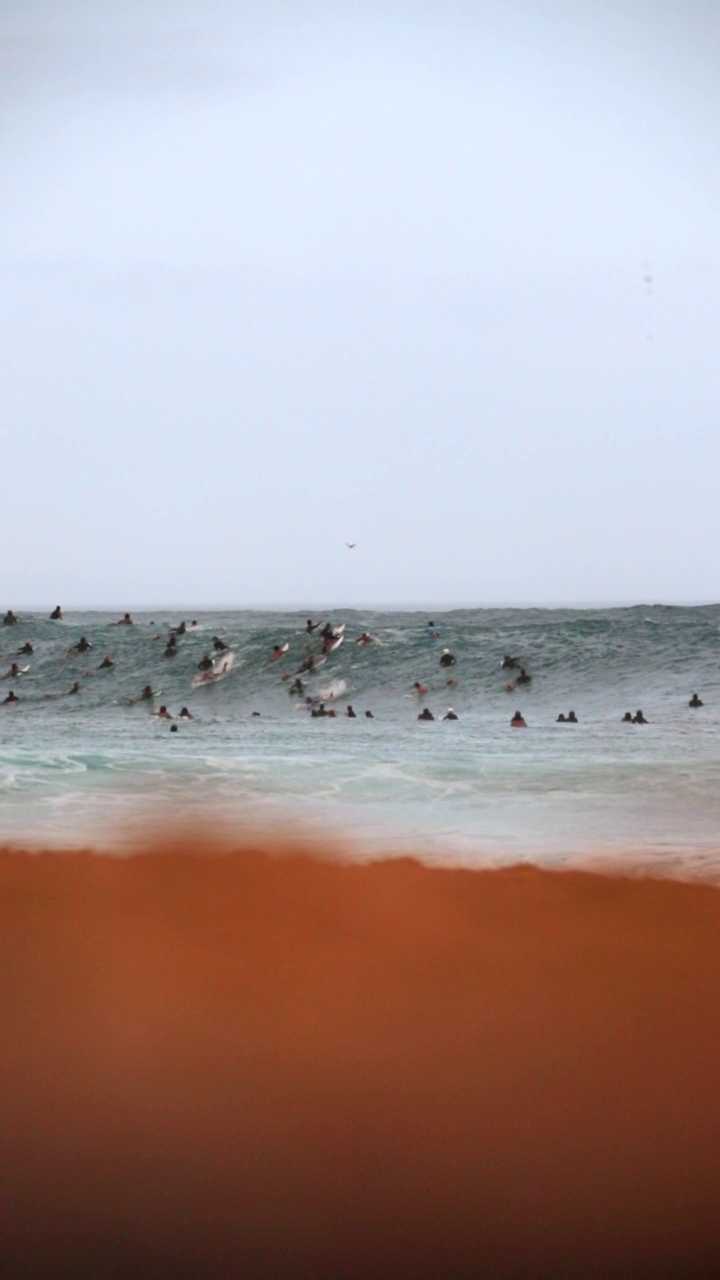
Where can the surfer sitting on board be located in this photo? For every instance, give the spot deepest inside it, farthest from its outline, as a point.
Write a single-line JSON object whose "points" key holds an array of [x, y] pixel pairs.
{"points": [[205, 663]]}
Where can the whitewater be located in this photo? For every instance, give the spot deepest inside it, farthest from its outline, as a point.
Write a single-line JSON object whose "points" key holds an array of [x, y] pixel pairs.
{"points": [[97, 767]]}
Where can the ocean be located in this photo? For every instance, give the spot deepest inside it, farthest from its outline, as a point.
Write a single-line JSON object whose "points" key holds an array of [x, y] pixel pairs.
{"points": [[98, 768]]}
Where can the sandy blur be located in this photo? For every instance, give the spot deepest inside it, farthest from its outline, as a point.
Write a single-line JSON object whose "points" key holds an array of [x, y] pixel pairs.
{"points": [[219, 1064]]}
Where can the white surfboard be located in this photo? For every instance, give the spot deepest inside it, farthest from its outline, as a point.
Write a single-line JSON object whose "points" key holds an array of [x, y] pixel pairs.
{"points": [[221, 669]]}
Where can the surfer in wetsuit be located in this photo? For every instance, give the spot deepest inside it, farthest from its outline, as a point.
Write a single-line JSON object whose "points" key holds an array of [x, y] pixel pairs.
{"points": [[307, 664], [350, 713], [297, 686], [695, 701], [420, 689], [125, 621], [9, 620], [26, 648], [106, 662], [14, 671], [76, 688], [56, 614], [218, 645], [12, 697], [518, 721], [184, 714], [205, 663], [82, 646], [146, 694], [450, 714], [447, 659], [509, 663], [311, 626], [639, 718], [426, 714]]}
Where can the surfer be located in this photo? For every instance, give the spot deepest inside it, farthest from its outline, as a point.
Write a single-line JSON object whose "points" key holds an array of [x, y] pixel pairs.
{"points": [[523, 677], [627, 718], [297, 686], [447, 659], [162, 713], [279, 650], [9, 620], [76, 688], [205, 663], [180, 629], [420, 689], [350, 713], [430, 629], [184, 714], [82, 646], [365, 638], [639, 718], [695, 701], [146, 694], [12, 697], [307, 664], [218, 645], [518, 721], [311, 626], [572, 718], [26, 648], [319, 711], [509, 663], [369, 715], [450, 714], [426, 714], [56, 614], [14, 671], [125, 621], [106, 662], [561, 719], [170, 649]]}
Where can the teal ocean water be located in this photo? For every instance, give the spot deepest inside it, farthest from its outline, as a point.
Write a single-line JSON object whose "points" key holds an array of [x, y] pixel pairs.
{"points": [[96, 766]]}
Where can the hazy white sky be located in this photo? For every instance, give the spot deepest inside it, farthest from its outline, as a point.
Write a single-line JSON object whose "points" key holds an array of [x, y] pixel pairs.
{"points": [[277, 276]]}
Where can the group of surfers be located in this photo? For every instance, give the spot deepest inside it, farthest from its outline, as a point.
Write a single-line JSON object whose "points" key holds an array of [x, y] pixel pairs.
{"points": [[330, 638]]}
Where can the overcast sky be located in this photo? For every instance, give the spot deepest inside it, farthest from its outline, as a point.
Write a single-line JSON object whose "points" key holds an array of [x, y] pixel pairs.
{"points": [[441, 278]]}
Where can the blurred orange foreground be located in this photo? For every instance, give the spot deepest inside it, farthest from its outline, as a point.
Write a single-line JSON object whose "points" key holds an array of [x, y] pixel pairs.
{"points": [[237, 1064]]}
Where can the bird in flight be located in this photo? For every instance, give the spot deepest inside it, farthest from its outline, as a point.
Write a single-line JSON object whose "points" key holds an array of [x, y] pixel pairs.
{"points": [[350, 545]]}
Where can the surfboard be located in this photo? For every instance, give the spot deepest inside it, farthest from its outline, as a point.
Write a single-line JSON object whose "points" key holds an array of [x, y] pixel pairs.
{"points": [[335, 644], [333, 691], [220, 671], [12, 675]]}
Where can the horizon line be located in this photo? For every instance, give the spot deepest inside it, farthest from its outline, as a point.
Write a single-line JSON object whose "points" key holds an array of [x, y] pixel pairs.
{"points": [[376, 607]]}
